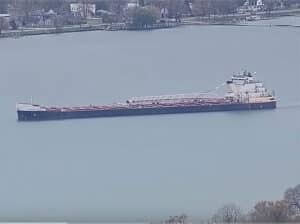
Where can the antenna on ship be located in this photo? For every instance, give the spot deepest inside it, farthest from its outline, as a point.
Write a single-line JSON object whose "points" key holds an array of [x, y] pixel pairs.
{"points": [[31, 100]]}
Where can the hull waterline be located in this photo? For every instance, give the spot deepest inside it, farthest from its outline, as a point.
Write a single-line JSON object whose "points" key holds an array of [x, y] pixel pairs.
{"points": [[76, 114]]}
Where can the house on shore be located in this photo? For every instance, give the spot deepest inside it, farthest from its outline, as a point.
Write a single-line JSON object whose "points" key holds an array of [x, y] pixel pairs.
{"points": [[85, 10], [248, 7]]}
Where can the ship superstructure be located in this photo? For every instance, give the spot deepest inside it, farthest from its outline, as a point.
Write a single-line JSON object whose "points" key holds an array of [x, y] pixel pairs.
{"points": [[242, 87], [244, 92]]}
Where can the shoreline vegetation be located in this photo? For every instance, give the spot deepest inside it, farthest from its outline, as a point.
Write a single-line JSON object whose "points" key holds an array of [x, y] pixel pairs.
{"points": [[285, 210], [82, 28], [191, 21], [31, 17]]}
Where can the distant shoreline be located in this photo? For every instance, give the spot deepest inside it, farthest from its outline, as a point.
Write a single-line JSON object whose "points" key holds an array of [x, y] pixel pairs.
{"points": [[83, 28], [217, 20]]}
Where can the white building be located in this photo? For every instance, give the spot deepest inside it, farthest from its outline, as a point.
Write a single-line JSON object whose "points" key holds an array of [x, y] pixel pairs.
{"points": [[83, 9], [5, 16], [164, 13], [259, 3], [247, 7]]}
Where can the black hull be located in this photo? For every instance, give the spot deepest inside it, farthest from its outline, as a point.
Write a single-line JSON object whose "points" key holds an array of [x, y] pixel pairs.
{"points": [[60, 115]]}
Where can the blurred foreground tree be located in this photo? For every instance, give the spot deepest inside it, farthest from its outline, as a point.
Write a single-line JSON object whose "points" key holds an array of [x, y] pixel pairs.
{"points": [[229, 213], [269, 211]]}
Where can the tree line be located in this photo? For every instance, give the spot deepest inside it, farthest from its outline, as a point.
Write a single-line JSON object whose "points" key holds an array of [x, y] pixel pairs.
{"points": [[286, 209], [196, 7], [148, 12]]}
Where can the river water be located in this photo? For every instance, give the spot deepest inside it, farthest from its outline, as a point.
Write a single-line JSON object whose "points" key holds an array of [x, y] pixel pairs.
{"points": [[145, 168]]}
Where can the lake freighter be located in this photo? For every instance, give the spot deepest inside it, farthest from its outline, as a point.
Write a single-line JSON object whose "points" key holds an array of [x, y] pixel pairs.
{"points": [[244, 93]]}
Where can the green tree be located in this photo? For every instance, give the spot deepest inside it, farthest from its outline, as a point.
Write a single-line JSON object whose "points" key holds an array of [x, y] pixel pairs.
{"points": [[143, 17]]}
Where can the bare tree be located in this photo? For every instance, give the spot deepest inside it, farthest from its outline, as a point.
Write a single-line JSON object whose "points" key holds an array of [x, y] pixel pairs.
{"points": [[229, 213], [58, 23], [182, 219], [116, 6], [269, 5], [27, 6], [158, 3], [201, 7], [269, 211], [175, 7]]}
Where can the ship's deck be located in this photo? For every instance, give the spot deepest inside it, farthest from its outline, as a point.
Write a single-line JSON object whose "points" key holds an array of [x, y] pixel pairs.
{"points": [[135, 105], [190, 102]]}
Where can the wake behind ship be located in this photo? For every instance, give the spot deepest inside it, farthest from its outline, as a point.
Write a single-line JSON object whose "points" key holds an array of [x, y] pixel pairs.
{"points": [[243, 93]]}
